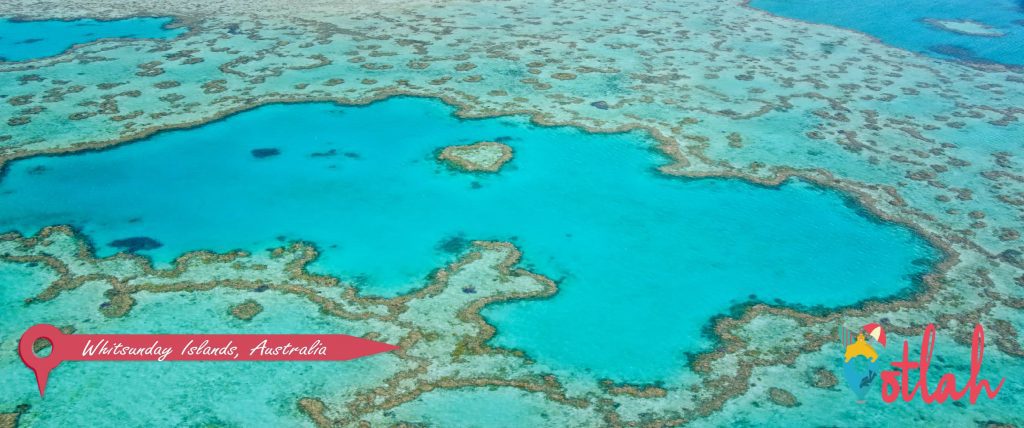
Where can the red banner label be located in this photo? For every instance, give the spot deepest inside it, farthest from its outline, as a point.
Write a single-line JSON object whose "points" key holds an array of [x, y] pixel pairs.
{"points": [[188, 347]]}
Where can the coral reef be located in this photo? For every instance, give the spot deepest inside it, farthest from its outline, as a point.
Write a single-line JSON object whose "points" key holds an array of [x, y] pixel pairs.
{"points": [[727, 91], [484, 156]]}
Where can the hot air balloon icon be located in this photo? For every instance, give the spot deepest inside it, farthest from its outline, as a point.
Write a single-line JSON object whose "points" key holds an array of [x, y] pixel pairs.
{"points": [[860, 359]]}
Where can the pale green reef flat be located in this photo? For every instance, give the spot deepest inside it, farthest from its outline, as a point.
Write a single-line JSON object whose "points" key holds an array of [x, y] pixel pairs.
{"points": [[728, 91]]}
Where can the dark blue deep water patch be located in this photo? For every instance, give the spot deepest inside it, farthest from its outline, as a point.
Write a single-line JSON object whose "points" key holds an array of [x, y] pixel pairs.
{"points": [[135, 244], [904, 24], [26, 40], [642, 260]]}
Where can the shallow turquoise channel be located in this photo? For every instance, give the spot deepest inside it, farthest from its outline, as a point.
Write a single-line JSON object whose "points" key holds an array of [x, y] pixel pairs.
{"points": [[902, 24], [25, 40], [642, 260]]}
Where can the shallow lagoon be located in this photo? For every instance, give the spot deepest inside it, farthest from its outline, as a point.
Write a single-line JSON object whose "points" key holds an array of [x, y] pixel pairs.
{"points": [[643, 260], [903, 24], [25, 40]]}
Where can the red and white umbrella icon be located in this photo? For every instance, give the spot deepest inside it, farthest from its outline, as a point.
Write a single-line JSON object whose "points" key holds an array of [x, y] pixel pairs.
{"points": [[875, 330]]}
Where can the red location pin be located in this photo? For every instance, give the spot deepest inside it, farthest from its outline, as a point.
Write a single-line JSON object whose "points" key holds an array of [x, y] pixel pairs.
{"points": [[188, 347]]}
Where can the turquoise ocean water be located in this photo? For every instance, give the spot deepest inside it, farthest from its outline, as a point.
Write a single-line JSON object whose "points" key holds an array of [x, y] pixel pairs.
{"points": [[643, 260], [25, 40], [902, 24]]}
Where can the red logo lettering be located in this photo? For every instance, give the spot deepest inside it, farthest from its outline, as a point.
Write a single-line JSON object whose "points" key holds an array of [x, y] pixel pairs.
{"points": [[896, 384]]}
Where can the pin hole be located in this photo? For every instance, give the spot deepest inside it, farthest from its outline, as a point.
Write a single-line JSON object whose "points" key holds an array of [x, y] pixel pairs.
{"points": [[42, 347]]}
